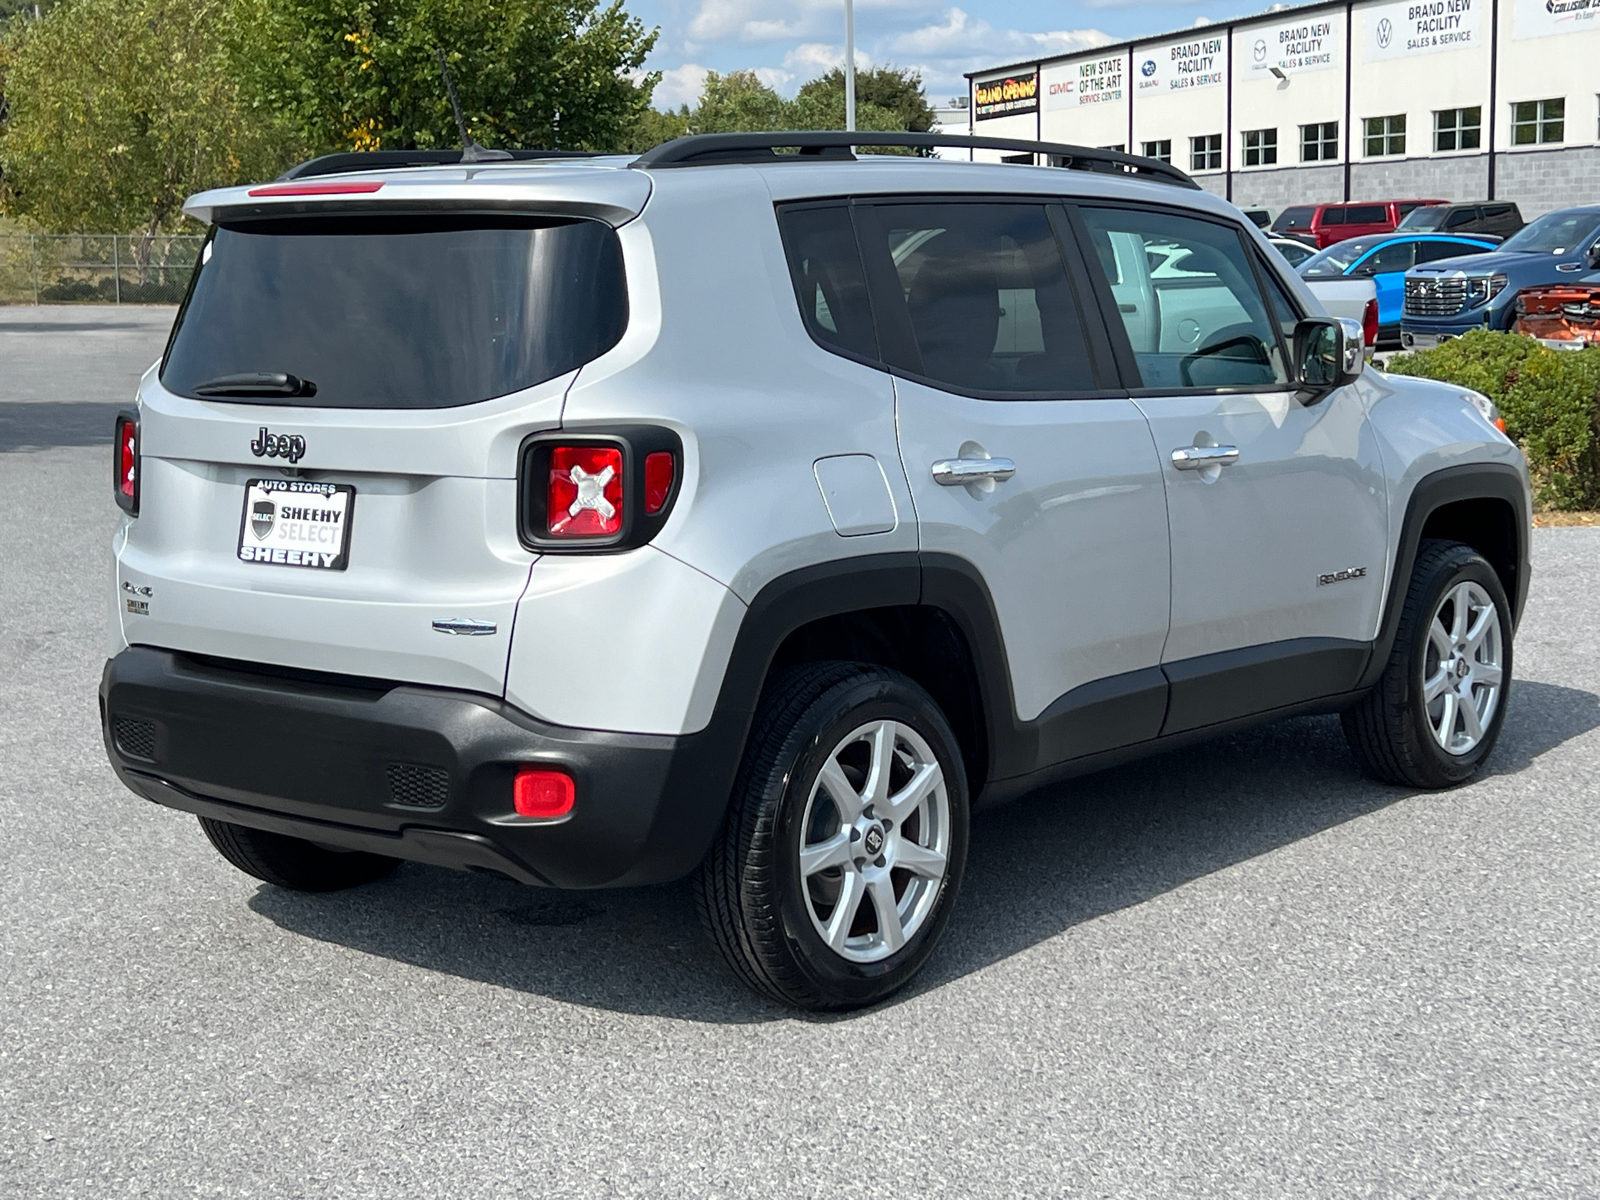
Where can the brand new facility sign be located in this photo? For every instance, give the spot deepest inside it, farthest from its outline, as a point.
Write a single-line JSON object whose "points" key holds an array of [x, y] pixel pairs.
{"points": [[1421, 27], [1312, 44], [1179, 66]]}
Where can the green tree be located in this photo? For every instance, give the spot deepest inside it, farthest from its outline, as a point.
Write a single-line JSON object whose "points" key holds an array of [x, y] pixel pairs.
{"points": [[881, 90], [363, 74], [654, 127], [738, 102], [119, 109]]}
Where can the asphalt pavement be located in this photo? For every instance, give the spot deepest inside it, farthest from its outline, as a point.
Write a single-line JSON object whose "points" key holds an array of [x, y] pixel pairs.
{"points": [[1236, 971]]}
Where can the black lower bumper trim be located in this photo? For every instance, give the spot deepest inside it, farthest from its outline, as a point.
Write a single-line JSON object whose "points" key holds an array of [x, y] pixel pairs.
{"points": [[411, 772]]}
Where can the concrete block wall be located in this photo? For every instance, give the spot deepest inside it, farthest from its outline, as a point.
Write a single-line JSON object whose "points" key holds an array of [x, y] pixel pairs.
{"points": [[1288, 185], [1458, 178], [1540, 180]]}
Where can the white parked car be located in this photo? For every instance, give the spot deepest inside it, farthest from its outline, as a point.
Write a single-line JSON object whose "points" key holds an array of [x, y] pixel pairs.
{"points": [[754, 517]]}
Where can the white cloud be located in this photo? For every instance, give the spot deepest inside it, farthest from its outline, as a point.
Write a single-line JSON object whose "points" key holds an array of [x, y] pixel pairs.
{"points": [[681, 85], [777, 20]]}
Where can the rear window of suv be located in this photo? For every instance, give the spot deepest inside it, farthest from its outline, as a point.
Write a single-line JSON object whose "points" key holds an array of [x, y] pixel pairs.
{"points": [[399, 311]]}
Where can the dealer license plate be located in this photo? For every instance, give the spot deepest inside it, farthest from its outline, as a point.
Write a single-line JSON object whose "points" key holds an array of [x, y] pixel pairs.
{"points": [[295, 523]]}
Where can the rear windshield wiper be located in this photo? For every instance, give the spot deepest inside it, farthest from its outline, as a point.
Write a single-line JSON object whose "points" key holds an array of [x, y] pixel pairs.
{"points": [[256, 383]]}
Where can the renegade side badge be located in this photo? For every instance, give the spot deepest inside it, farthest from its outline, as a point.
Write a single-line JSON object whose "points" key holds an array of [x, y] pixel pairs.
{"points": [[1341, 576], [465, 626]]}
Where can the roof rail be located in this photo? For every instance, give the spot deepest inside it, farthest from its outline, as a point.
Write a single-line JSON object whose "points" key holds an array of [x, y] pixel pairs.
{"points": [[383, 160], [706, 149]]}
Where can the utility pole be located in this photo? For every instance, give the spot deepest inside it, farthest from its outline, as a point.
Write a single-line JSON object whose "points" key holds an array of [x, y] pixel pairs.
{"points": [[850, 65]]}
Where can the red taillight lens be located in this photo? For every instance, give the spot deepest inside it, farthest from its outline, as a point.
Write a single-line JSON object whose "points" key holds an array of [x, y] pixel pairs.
{"points": [[543, 792], [585, 496], [126, 483], [658, 472], [1369, 323]]}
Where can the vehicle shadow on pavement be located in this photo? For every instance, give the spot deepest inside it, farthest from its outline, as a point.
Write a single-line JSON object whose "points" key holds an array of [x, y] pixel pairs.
{"points": [[31, 425], [1036, 868]]}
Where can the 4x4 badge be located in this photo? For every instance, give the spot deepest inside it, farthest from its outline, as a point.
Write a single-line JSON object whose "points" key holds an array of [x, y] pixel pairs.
{"points": [[278, 445]]}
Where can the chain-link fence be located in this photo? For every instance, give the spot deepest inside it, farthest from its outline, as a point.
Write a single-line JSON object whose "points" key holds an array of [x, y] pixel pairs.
{"points": [[96, 268]]}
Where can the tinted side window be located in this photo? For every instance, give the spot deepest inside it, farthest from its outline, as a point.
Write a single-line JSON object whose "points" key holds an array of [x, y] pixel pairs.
{"points": [[1396, 256], [987, 297], [1433, 251], [1465, 216], [828, 282], [1294, 217], [1366, 214], [1201, 324], [1333, 216]]}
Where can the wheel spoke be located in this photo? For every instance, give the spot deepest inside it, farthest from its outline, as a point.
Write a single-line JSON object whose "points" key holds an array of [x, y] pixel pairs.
{"points": [[819, 856], [844, 912], [1461, 604], [1432, 687], [844, 797], [876, 790], [889, 927], [1486, 674], [908, 799], [1469, 719], [1446, 727], [919, 860], [1480, 629], [1439, 636]]}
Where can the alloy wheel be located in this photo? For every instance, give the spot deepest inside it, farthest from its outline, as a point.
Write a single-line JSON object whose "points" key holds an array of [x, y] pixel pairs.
{"points": [[1462, 669]]}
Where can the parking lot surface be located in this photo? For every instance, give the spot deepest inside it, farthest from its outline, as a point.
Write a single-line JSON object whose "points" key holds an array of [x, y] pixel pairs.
{"points": [[1240, 970]]}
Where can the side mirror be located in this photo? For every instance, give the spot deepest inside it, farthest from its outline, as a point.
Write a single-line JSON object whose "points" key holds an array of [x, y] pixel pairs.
{"points": [[1594, 257], [1328, 353]]}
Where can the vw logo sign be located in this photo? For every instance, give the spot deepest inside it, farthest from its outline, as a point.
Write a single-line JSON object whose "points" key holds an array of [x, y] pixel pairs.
{"points": [[1148, 68], [1385, 33]]}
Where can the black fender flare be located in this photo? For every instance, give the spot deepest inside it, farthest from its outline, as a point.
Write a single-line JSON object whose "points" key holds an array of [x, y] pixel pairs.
{"points": [[1469, 481]]}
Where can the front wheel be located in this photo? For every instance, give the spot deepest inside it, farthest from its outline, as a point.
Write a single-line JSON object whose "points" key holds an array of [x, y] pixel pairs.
{"points": [[1437, 709], [845, 839]]}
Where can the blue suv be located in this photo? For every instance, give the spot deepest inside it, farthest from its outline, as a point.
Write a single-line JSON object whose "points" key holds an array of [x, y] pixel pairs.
{"points": [[1385, 258], [1446, 299]]}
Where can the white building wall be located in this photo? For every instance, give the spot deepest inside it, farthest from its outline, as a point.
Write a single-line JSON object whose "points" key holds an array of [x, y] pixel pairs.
{"points": [[1389, 57]]}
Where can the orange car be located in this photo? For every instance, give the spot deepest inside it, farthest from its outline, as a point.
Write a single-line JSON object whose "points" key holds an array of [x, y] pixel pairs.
{"points": [[1564, 316]]}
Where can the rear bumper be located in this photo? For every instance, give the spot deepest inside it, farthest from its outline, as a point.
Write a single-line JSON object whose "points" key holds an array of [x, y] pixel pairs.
{"points": [[412, 772]]}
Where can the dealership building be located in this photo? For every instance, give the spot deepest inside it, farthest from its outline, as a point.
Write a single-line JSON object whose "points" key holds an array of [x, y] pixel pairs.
{"points": [[1454, 99]]}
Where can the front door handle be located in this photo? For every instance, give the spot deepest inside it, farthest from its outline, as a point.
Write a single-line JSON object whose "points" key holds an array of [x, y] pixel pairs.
{"points": [[952, 472], [1194, 458]]}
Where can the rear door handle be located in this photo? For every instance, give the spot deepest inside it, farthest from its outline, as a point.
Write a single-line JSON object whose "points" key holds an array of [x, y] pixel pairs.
{"points": [[951, 472], [1193, 458]]}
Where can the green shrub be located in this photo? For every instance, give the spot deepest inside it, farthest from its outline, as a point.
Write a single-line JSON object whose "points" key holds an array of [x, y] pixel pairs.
{"points": [[1550, 400]]}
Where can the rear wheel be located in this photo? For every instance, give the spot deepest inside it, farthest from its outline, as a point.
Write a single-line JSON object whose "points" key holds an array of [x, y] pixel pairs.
{"points": [[845, 839], [1437, 709], [294, 863]]}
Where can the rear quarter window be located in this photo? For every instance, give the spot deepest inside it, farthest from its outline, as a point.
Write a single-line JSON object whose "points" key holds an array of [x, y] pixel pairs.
{"points": [[384, 311]]}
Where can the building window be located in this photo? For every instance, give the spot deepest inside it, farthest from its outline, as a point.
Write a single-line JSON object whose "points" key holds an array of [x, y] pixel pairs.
{"points": [[1319, 142], [1162, 150], [1260, 147], [1119, 147], [1536, 121], [1458, 128], [1386, 135], [1205, 152]]}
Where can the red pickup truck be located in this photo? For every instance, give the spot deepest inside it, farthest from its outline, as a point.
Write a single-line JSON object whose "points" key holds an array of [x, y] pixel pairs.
{"points": [[1325, 224]]}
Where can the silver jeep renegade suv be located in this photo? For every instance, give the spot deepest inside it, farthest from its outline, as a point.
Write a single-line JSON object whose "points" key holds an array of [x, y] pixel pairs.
{"points": [[754, 515]]}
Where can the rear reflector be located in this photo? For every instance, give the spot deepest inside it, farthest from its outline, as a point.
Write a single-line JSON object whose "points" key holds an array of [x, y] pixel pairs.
{"points": [[317, 189], [658, 472], [585, 496], [543, 792]]}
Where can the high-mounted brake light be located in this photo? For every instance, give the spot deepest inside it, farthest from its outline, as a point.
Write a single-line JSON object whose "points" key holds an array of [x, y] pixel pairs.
{"points": [[659, 469], [125, 462], [585, 497], [363, 188], [543, 793], [1369, 323]]}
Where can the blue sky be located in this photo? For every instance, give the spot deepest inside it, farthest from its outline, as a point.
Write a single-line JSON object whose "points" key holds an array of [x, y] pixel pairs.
{"points": [[790, 41]]}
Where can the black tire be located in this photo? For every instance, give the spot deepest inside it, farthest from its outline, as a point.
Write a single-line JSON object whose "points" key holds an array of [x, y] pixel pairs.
{"points": [[291, 862], [749, 888], [1389, 730]]}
